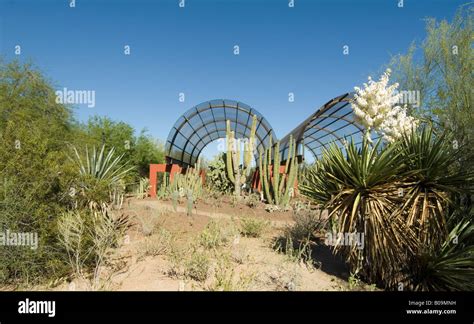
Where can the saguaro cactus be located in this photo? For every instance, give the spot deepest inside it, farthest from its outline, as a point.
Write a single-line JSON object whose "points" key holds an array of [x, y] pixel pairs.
{"points": [[277, 188], [239, 174]]}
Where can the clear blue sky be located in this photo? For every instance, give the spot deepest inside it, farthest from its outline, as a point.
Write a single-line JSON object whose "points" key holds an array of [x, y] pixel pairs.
{"points": [[190, 50]]}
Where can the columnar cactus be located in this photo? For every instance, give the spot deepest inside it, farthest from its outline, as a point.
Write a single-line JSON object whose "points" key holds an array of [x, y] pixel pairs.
{"points": [[278, 188], [189, 181], [238, 174]]}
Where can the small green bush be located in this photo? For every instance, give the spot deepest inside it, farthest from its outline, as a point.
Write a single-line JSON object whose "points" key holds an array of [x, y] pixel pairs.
{"points": [[252, 227], [157, 244], [197, 266], [215, 235], [307, 223]]}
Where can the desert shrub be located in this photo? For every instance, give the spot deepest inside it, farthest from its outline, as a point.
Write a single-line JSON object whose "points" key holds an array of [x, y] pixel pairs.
{"points": [[197, 265], [176, 257], [240, 254], [34, 166], [253, 227], [225, 278], [139, 150], [445, 80], [87, 236], [73, 237], [38, 182], [298, 251], [146, 150], [215, 235], [252, 200], [149, 224], [307, 223], [157, 244]]}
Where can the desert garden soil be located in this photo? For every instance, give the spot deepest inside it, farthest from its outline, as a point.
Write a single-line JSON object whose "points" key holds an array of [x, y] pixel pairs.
{"points": [[253, 263]]}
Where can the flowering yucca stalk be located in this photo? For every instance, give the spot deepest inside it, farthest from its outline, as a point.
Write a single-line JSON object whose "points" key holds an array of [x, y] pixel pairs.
{"points": [[375, 108]]}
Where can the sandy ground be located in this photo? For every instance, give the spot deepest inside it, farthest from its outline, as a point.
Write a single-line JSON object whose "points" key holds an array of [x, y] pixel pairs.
{"points": [[252, 263]]}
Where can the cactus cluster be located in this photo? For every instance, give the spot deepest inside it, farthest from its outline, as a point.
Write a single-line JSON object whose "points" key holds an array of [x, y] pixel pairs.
{"points": [[216, 175], [237, 173], [189, 182], [278, 188]]}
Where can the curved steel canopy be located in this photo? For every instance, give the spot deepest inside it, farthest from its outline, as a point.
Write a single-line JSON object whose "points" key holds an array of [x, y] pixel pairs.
{"points": [[333, 122], [206, 123]]}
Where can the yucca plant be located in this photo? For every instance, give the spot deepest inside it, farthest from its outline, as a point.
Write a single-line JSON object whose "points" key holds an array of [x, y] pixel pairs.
{"points": [[101, 172], [433, 182], [451, 266], [398, 196], [358, 186], [101, 165]]}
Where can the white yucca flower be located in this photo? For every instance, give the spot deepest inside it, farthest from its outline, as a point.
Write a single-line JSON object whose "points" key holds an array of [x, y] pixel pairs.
{"points": [[375, 108]]}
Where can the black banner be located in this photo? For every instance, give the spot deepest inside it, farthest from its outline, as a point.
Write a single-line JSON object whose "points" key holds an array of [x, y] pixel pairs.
{"points": [[409, 307]]}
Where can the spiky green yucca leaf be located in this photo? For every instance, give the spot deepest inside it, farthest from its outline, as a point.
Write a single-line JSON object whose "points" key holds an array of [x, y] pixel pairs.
{"points": [[434, 179], [397, 196], [358, 186], [101, 165], [451, 268]]}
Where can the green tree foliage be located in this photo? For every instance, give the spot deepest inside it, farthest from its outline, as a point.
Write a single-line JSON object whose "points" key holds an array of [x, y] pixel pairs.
{"points": [[101, 130], [38, 180], [441, 69], [139, 150], [33, 168], [147, 150]]}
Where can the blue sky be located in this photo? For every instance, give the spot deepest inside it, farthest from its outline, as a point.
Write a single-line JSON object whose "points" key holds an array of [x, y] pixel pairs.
{"points": [[190, 50]]}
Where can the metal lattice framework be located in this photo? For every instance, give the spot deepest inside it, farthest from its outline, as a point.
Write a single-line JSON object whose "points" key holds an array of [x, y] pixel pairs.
{"points": [[206, 123], [333, 122]]}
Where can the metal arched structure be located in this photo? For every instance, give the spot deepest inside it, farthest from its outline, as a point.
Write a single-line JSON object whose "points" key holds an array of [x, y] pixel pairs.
{"points": [[206, 123], [333, 122]]}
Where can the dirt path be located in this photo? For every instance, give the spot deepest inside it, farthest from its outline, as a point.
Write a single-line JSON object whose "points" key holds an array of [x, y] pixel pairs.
{"points": [[160, 205]]}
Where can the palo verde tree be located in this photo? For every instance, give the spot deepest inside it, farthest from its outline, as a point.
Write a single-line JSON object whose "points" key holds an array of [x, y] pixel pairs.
{"points": [[440, 70]]}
